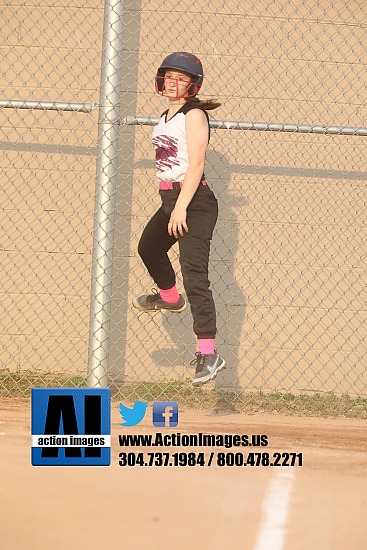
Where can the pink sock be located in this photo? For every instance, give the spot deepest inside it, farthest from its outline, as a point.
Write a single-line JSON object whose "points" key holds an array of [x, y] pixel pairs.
{"points": [[170, 295], [206, 346]]}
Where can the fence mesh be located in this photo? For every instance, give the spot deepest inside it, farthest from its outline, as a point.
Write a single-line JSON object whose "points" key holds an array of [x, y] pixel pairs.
{"points": [[288, 256]]}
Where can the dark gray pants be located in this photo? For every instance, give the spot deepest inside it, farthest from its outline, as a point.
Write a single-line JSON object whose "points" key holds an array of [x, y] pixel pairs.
{"points": [[194, 249]]}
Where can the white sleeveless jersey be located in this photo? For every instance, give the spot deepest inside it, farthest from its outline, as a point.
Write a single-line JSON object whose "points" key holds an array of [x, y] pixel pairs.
{"points": [[169, 142]]}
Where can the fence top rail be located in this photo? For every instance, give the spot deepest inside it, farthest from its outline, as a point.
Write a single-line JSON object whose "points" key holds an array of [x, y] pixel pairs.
{"points": [[132, 120], [48, 105], [260, 126]]}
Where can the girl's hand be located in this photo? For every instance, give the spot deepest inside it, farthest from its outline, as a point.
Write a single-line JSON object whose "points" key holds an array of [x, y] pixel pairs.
{"points": [[177, 223]]}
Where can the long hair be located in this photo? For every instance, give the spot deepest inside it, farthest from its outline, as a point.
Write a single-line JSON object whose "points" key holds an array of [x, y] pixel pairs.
{"points": [[206, 104]]}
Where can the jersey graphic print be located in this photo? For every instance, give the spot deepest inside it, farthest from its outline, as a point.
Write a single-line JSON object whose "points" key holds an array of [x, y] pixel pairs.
{"points": [[165, 152]]}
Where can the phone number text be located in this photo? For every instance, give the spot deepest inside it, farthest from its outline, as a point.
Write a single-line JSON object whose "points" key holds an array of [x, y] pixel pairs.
{"points": [[217, 459]]}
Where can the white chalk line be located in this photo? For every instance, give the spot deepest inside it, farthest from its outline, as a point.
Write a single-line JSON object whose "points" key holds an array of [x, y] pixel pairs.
{"points": [[272, 531]]}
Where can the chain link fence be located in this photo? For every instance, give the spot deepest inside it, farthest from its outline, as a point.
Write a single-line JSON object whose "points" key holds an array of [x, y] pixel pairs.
{"points": [[287, 162]]}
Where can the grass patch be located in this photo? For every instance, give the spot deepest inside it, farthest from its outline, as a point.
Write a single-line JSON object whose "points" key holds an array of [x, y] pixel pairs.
{"points": [[328, 404], [20, 384], [323, 405]]}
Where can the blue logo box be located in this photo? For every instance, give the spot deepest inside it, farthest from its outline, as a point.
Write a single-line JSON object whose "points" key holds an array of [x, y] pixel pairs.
{"points": [[71, 427], [165, 414]]}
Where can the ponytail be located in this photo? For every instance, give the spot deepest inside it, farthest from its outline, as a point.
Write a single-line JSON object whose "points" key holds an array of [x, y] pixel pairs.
{"points": [[206, 104]]}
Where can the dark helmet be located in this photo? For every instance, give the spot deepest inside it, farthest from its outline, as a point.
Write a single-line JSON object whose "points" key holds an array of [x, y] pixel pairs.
{"points": [[185, 62]]}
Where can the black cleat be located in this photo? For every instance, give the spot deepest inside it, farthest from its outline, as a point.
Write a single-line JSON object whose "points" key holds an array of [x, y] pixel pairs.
{"points": [[207, 367], [154, 302]]}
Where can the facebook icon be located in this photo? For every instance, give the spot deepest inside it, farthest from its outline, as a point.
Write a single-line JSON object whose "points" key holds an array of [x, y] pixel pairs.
{"points": [[165, 414]]}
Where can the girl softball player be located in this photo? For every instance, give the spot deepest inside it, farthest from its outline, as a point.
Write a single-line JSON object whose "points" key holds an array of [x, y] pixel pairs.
{"points": [[189, 208]]}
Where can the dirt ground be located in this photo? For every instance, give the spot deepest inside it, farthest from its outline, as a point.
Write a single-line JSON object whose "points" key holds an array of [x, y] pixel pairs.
{"points": [[320, 506]]}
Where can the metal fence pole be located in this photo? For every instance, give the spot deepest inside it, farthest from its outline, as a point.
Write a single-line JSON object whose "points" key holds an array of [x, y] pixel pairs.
{"points": [[47, 105], [261, 126], [109, 120]]}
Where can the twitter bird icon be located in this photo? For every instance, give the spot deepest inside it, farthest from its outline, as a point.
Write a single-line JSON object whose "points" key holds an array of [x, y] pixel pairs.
{"points": [[133, 416]]}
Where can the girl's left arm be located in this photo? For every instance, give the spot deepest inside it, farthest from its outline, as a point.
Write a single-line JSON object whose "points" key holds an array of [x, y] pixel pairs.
{"points": [[197, 135]]}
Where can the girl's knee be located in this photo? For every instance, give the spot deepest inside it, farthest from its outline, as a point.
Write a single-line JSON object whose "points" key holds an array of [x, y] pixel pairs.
{"points": [[144, 251], [195, 284]]}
